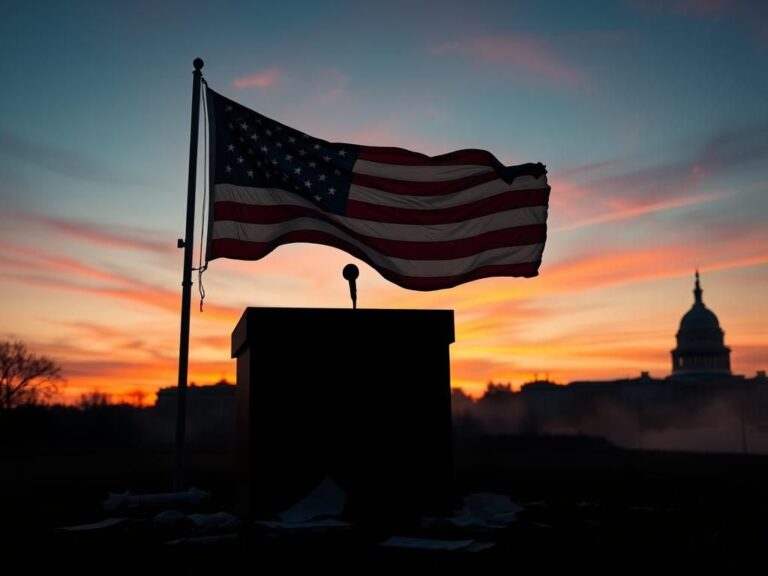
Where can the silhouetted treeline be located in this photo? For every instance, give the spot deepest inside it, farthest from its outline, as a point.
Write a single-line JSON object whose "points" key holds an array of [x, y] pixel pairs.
{"points": [[641, 413]]}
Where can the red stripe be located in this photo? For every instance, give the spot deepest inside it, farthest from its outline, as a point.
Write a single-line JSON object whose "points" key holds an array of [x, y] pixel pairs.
{"points": [[406, 157], [241, 250], [257, 214], [423, 188], [498, 203], [407, 249]]}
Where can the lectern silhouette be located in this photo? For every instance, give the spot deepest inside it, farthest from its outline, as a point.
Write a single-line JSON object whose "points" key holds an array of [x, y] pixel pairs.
{"points": [[362, 396]]}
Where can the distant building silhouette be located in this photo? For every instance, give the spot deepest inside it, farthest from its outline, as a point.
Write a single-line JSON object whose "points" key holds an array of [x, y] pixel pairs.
{"points": [[210, 412], [701, 405], [701, 351]]}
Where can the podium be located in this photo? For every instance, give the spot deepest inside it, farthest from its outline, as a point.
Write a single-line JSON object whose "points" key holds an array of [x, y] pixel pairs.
{"points": [[360, 396]]}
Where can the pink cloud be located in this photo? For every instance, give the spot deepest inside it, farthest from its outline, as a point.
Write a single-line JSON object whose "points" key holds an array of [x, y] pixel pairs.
{"points": [[333, 87], [106, 236], [522, 54], [629, 212], [268, 77]]}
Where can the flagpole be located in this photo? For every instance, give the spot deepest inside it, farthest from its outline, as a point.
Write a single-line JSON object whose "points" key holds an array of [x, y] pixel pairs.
{"points": [[186, 284]]}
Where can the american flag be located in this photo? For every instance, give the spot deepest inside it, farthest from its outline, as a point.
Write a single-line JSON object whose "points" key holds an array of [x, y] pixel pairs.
{"points": [[424, 223]]}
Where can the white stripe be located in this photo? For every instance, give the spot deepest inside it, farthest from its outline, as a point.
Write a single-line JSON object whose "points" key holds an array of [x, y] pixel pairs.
{"points": [[408, 232], [414, 268], [479, 192], [418, 173]]}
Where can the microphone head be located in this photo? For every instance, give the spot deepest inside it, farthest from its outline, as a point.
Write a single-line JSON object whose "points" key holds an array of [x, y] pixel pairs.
{"points": [[350, 272]]}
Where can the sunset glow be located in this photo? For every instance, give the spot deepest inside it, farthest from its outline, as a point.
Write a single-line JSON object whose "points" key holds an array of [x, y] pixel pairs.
{"points": [[657, 151]]}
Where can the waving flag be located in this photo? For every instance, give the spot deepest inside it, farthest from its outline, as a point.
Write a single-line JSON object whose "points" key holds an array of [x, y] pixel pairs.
{"points": [[424, 223]]}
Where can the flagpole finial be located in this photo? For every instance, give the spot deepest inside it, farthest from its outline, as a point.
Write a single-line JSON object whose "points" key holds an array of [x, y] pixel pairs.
{"points": [[198, 64]]}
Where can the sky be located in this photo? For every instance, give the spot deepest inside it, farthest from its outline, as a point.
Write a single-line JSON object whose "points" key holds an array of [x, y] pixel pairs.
{"points": [[650, 116]]}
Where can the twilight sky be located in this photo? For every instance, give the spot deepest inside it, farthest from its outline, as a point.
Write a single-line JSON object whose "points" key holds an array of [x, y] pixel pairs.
{"points": [[650, 115]]}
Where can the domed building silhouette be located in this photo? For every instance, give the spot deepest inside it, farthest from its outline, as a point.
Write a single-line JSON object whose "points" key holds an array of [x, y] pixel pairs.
{"points": [[701, 351]]}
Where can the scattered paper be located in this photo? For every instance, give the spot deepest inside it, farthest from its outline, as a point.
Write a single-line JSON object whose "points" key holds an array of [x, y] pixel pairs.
{"points": [[491, 509], [191, 497], [101, 525], [481, 510], [320, 523], [204, 540], [326, 500], [426, 543], [168, 518], [216, 521]]}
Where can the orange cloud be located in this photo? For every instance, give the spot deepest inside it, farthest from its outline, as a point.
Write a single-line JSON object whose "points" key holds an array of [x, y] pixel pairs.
{"points": [[110, 237], [268, 77], [628, 212]]}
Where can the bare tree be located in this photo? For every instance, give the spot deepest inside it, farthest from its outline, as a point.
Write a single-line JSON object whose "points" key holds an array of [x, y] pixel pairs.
{"points": [[25, 378], [95, 399]]}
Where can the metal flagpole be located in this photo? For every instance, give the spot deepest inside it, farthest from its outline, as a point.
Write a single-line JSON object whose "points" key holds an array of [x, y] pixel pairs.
{"points": [[186, 284]]}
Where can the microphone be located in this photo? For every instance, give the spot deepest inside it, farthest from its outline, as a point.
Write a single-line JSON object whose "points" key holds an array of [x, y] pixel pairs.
{"points": [[351, 273]]}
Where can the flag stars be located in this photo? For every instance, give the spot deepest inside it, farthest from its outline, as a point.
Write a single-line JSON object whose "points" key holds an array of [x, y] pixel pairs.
{"points": [[337, 172], [250, 173], [297, 171], [279, 144], [264, 149], [321, 178], [231, 147], [244, 126], [291, 140], [288, 157], [240, 160], [316, 147], [318, 198], [228, 108], [302, 152], [331, 190], [228, 168], [268, 132], [327, 158], [312, 164], [254, 137], [342, 153]]}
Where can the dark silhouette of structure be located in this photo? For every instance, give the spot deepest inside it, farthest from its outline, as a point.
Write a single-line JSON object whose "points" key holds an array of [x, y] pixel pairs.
{"points": [[701, 405], [314, 400], [700, 350]]}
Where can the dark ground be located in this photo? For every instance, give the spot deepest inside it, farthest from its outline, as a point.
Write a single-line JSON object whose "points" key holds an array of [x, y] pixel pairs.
{"points": [[589, 507]]}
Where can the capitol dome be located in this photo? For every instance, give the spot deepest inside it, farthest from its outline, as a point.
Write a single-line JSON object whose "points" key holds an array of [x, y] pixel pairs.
{"points": [[701, 350]]}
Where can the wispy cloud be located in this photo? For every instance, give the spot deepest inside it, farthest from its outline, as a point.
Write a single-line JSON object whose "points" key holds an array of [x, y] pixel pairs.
{"points": [[263, 79], [32, 267], [332, 87], [61, 161], [526, 56], [630, 212], [111, 236], [608, 191]]}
